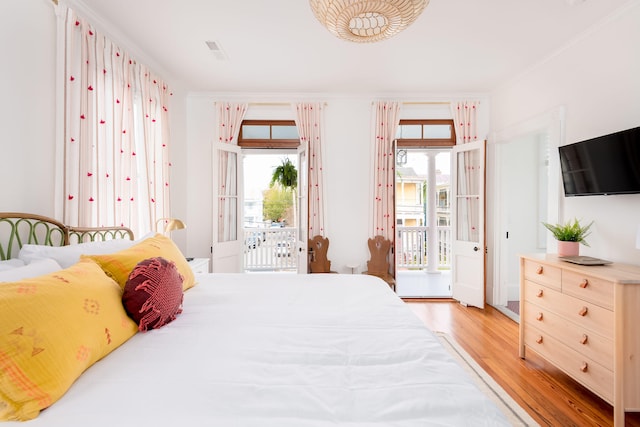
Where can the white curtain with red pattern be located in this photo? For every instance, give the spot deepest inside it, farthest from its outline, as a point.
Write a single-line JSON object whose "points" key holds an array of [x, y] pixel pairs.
{"points": [[116, 134], [309, 119], [465, 115], [230, 116], [385, 125], [469, 167]]}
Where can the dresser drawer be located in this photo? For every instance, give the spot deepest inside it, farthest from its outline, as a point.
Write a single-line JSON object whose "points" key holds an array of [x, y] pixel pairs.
{"points": [[584, 370], [592, 345], [592, 289], [543, 274], [583, 314]]}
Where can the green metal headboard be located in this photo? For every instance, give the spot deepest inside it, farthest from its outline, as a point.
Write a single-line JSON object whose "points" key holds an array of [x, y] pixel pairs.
{"points": [[17, 229], [97, 234]]}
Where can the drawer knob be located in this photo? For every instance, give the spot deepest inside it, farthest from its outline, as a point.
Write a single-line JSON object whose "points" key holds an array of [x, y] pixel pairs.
{"points": [[539, 339], [583, 311], [539, 270], [584, 367], [540, 293], [539, 316], [584, 283], [584, 339]]}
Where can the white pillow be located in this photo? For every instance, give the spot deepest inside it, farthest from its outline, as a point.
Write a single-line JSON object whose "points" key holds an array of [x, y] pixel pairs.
{"points": [[36, 268], [11, 263], [66, 256]]}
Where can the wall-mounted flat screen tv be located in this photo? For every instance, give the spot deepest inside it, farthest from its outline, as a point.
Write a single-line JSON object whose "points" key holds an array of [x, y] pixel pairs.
{"points": [[608, 164]]}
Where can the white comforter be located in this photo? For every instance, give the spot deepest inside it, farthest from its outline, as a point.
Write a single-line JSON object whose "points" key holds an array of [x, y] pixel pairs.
{"points": [[279, 350]]}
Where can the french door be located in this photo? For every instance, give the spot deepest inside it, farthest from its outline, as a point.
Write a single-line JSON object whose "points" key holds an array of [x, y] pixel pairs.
{"points": [[468, 234], [226, 256]]}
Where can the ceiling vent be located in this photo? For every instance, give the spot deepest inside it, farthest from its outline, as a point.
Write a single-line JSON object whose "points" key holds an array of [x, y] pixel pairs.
{"points": [[217, 50]]}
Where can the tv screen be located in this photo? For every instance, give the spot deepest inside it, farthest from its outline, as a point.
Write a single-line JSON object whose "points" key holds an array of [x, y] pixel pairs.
{"points": [[608, 164]]}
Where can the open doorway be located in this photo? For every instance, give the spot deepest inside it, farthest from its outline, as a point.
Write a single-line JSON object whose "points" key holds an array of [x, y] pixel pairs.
{"points": [[423, 223], [270, 215], [527, 192], [523, 188]]}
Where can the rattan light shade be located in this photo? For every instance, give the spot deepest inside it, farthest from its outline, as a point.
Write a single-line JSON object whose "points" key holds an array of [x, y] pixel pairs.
{"points": [[367, 20]]}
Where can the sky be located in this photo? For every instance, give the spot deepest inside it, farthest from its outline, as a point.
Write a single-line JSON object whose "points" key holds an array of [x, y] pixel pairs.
{"points": [[418, 161], [258, 169]]}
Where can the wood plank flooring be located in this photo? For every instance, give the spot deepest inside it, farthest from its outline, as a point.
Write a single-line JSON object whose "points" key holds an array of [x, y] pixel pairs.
{"points": [[491, 338]]}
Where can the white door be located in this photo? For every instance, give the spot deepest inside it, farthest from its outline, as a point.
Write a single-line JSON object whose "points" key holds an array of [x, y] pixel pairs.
{"points": [[302, 209], [468, 239], [226, 256]]}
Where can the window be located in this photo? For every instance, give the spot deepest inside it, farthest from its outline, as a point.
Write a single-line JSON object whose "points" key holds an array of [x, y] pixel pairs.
{"points": [[268, 134], [443, 198], [426, 133]]}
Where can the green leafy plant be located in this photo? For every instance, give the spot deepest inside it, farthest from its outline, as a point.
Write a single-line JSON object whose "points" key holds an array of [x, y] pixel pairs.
{"points": [[285, 175], [572, 231]]}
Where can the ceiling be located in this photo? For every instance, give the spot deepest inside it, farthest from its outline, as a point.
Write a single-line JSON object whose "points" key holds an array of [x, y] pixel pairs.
{"points": [[278, 46]]}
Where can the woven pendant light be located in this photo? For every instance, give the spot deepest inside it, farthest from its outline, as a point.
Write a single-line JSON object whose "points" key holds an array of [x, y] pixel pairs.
{"points": [[367, 20]]}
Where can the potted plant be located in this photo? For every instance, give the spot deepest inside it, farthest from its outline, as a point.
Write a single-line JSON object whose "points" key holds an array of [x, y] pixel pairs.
{"points": [[569, 236]]}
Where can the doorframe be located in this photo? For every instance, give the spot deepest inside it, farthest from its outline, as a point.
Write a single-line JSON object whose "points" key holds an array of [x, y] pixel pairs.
{"points": [[553, 124]]}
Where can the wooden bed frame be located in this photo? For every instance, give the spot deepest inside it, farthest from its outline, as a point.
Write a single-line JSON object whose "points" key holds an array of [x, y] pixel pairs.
{"points": [[18, 228]]}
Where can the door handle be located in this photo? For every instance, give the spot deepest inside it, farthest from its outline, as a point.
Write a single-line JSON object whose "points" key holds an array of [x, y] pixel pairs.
{"points": [[476, 249]]}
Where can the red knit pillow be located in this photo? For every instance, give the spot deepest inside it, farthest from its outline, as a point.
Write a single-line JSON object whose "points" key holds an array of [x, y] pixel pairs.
{"points": [[153, 295]]}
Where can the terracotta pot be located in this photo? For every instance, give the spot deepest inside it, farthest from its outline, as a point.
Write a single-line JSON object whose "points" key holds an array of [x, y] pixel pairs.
{"points": [[568, 248]]}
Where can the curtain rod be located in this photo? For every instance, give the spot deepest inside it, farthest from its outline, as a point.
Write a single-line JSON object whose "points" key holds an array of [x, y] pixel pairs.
{"points": [[420, 103], [272, 104], [427, 103], [263, 103], [269, 104], [275, 104]]}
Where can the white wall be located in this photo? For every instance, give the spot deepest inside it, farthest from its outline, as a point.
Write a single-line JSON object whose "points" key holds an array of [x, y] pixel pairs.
{"points": [[596, 80], [27, 106]]}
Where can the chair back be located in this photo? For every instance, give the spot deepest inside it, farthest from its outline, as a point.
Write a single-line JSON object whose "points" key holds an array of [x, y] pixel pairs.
{"points": [[379, 248], [319, 263]]}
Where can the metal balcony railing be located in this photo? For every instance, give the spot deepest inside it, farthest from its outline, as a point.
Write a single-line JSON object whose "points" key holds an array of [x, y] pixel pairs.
{"points": [[412, 247], [270, 249]]}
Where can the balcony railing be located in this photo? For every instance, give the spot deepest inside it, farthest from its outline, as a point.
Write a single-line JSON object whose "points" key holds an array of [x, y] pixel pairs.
{"points": [[412, 247], [270, 249], [273, 249]]}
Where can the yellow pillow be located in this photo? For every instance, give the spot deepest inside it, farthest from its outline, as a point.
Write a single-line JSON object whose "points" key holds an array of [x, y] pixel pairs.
{"points": [[119, 264], [52, 328]]}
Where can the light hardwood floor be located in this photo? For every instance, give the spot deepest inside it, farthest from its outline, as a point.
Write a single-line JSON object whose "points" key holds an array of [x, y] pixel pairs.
{"points": [[491, 338]]}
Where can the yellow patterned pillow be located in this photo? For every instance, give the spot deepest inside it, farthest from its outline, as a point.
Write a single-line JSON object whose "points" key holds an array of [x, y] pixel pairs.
{"points": [[119, 264], [52, 328]]}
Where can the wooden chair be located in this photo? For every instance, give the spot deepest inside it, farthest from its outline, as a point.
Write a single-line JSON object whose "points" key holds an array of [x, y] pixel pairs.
{"points": [[318, 262], [378, 264]]}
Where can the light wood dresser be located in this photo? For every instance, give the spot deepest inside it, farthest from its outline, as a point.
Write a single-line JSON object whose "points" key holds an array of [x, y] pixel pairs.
{"points": [[586, 321]]}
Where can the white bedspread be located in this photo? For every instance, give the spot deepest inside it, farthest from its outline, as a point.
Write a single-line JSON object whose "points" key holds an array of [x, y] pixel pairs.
{"points": [[279, 350]]}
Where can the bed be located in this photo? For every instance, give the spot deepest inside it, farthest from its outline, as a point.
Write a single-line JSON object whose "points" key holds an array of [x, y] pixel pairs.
{"points": [[274, 349]]}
